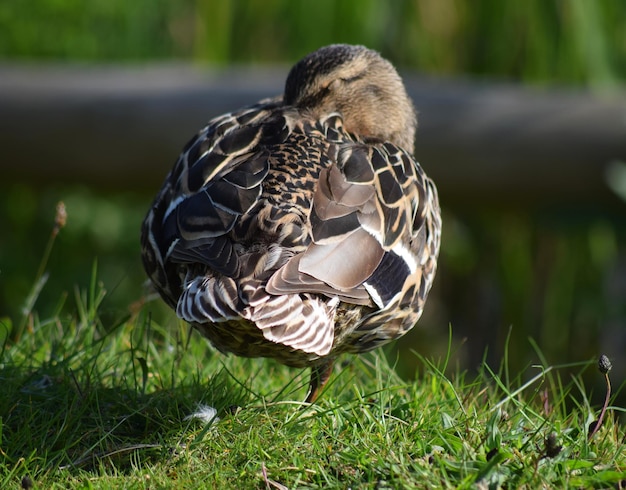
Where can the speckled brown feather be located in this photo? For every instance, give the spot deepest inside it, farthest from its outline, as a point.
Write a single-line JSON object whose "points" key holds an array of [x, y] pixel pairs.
{"points": [[301, 227]]}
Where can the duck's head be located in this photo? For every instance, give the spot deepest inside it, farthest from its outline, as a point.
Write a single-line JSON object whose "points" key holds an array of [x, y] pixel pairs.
{"points": [[361, 85]]}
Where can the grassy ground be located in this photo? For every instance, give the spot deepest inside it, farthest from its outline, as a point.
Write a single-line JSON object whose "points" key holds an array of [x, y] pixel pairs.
{"points": [[88, 405]]}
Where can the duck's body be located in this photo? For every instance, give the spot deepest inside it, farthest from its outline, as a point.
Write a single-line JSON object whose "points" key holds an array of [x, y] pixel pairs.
{"points": [[301, 227]]}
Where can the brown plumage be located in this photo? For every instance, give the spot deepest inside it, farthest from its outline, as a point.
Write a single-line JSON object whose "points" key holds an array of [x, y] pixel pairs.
{"points": [[301, 227]]}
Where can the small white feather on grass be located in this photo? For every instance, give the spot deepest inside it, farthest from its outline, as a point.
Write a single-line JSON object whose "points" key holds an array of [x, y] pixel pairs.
{"points": [[205, 414]]}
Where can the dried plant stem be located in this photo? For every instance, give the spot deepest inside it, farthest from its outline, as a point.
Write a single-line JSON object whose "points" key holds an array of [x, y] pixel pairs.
{"points": [[604, 407], [60, 219]]}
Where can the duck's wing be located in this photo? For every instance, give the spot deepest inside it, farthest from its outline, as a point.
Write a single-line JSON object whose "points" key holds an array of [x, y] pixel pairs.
{"points": [[365, 222], [216, 179], [375, 230]]}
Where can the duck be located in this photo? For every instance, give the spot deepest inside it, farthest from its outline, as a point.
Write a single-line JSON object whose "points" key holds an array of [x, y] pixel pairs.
{"points": [[301, 227]]}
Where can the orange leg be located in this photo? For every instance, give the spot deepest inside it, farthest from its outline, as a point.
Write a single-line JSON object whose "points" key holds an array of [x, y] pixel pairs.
{"points": [[320, 374]]}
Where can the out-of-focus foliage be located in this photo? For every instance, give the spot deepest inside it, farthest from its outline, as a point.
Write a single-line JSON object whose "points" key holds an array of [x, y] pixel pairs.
{"points": [[557, 276], [574, 41], [101, 228]]}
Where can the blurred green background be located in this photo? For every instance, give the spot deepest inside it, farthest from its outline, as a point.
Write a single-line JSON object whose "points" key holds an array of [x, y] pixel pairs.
{"points": [[557, 274], [539, 41]]}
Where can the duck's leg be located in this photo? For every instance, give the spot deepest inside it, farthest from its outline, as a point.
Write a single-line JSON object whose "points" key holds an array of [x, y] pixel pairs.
{"points": [[319, 377]]}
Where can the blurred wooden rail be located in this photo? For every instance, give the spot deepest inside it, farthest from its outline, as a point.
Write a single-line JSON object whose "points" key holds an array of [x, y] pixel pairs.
{"points": [[122, 127]]}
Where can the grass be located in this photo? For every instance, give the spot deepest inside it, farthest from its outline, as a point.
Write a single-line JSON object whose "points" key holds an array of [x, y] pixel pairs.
{"points": [[89, 405], [89, 402]]}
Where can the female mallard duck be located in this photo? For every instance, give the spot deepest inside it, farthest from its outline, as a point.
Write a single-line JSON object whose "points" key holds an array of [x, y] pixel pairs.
{"points": [[301, 227]]}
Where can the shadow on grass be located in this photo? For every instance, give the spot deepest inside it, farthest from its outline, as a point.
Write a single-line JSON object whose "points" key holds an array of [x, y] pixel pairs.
{"points": [[74, 398]]}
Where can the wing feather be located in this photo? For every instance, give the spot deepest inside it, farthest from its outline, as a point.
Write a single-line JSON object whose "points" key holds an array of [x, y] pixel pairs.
{"points": [[364, 239]]}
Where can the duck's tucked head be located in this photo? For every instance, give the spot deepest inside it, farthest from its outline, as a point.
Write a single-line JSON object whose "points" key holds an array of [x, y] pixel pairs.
{"points": [[361, 85]]}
